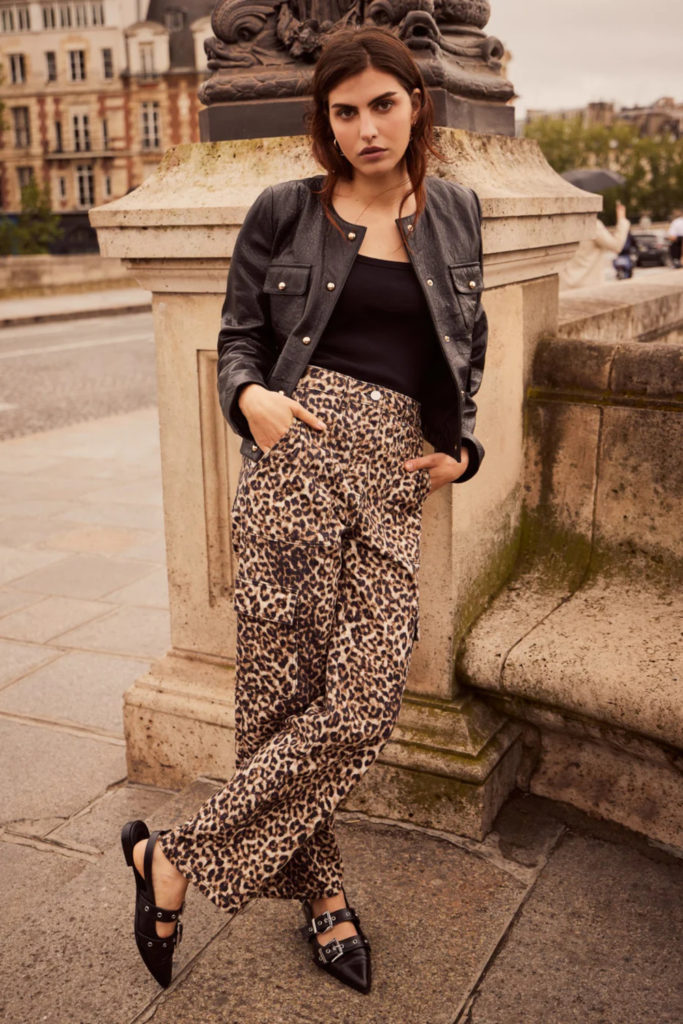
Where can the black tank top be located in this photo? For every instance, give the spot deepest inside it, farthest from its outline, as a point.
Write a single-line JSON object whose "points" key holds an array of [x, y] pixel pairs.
{"points": [[380, 329]]}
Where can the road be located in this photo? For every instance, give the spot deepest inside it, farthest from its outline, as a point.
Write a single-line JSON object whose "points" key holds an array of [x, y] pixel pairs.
{"points": [[53, 374]]}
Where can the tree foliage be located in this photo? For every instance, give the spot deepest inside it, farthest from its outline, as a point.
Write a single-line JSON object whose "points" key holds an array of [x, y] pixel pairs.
{"points": [[651, 164], [36, 228]]}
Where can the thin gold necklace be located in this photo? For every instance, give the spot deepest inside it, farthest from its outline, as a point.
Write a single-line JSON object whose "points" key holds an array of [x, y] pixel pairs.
{"points": [[391, 188]]}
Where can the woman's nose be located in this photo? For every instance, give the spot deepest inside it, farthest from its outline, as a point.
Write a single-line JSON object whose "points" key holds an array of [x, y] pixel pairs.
{"points": [[367, 127]]}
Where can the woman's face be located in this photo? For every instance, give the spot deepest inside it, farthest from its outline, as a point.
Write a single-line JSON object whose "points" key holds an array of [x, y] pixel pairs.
{"points": [[372, 110]]}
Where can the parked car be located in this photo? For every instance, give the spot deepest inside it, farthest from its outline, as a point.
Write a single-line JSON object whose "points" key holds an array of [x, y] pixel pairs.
{"points": [[651, 249]]}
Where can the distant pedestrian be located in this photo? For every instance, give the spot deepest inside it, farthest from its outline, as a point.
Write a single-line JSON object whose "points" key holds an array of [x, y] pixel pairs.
{"points": [[675, 234], [588, 264], [623, 264]]}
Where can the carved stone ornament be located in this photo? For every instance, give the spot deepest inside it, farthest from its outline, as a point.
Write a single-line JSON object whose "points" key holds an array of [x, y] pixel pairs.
{"points": [[265, 49]]}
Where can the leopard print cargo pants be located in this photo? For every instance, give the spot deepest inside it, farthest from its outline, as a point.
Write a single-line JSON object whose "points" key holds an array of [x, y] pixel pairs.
{"points": [[326, 532]]}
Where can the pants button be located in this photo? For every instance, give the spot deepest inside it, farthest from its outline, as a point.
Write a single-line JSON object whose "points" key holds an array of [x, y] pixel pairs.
{"points": [[376, 395]]}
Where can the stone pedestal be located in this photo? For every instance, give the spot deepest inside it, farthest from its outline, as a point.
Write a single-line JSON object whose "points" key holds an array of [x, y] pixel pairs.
{"points": [[250, 119], [452, 759]]}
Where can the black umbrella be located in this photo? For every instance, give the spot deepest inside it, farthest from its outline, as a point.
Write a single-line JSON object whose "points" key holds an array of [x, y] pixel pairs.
{"points": [[594, 179]]}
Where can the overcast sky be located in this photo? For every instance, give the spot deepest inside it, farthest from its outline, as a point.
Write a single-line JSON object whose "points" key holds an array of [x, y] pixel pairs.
{"points": [[565, 54]]}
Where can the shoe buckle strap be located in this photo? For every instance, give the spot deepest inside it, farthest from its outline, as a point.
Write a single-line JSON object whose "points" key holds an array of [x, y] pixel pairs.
{"points": [[334, 946], [323, 922], [160, 914]]}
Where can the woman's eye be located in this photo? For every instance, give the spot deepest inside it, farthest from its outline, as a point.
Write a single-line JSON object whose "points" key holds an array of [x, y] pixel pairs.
{"points": [[383, 106]]}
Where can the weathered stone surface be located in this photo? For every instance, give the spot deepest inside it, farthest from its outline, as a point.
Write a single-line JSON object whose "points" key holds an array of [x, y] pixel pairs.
{"points": [[149, 592], [17, 659], [63, 773], [638, 786], [648, 306], [640, 488], [600, 655], [588, 629], [462, 796], [16, 564], [77, 687], [142, 632], [81, 576], [90, 970], [98, 825], [49, 617], [585, 945]]}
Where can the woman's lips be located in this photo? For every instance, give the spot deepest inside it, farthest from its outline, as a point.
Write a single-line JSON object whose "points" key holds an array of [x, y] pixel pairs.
{"points": [[373, 152]]}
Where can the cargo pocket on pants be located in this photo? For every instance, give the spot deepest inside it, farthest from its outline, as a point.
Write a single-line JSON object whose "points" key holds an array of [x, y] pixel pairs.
{"points": [[267, 642]]}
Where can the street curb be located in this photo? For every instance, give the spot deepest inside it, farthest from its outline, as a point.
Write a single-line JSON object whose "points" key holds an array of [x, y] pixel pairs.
{"points": [[76, 314]]}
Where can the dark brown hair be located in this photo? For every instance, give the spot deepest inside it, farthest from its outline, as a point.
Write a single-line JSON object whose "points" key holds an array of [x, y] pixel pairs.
{"points": [[347, 52]]}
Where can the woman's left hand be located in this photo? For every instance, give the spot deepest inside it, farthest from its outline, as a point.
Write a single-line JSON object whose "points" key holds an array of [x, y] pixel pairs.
{"points": [[443, 468]]}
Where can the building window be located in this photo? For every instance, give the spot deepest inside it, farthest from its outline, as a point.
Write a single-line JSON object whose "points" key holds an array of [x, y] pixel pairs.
{"points": [[23, 18], [105, 133], [7, 19], [17, 66], [51, 61], [86, 185], [77, 65], [150, 126], [59, 143], [175, 19], [107, 185], [81, 11], [61, 186], [81, 130], [65, 16], [24, 176], [49, 17], [22, 127], [107, 63], [97, 12], [147, 58]]}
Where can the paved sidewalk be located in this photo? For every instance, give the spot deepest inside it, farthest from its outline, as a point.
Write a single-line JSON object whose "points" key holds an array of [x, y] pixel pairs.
{"points": [[73, 306], [553, 919]]}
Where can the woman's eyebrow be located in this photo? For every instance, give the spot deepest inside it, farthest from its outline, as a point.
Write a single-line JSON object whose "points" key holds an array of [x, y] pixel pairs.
{"points": [[382, 97]]}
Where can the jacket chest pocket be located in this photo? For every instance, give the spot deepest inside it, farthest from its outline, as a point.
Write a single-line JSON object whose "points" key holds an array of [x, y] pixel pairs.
{"points": [[286, 285], [468, 283]]}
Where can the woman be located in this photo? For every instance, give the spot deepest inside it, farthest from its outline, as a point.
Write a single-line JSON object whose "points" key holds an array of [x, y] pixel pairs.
{"points": [[352, 328]]}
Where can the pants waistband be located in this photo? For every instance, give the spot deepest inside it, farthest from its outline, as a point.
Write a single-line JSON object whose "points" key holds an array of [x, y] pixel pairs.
{"points": [[351, 387]]}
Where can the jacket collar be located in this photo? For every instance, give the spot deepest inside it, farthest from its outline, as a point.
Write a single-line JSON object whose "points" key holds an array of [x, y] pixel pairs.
{"points": [[360, 229]]}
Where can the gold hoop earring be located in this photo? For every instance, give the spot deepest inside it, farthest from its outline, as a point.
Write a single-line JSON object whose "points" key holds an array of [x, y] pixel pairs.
{"points": [[337, 146]]}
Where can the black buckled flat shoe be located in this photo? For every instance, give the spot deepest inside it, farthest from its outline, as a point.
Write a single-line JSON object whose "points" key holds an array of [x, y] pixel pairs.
{"points": [[348, 960], [156, 953]]}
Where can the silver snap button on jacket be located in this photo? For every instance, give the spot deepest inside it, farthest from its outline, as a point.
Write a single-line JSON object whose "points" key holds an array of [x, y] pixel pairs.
{"points": [[376, 395]]}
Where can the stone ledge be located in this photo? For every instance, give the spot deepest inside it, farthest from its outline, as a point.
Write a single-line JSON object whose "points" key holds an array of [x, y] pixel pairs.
{"points": [[620, 311], [595, 653]]}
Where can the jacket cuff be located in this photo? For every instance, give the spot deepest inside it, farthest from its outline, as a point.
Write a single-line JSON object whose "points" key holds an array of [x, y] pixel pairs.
{"points": [[476, 453]]}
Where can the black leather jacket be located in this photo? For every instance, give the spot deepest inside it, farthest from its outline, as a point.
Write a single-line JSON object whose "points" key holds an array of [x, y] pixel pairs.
{"points": [[288, 269]]}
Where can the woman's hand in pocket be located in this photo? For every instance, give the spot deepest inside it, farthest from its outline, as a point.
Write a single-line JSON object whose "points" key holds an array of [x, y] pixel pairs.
{"points": [[443, 468], [270, 414]]}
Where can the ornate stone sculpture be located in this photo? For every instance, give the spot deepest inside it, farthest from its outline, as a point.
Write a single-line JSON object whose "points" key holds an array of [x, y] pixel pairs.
{"points": [[265, 49]]}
